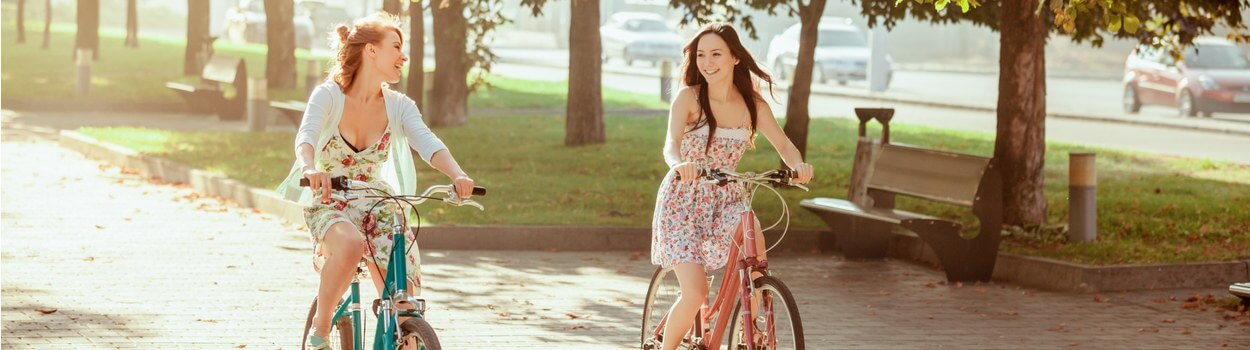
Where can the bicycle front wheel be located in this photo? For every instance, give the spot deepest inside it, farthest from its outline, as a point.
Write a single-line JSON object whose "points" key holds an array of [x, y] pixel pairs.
{"points": [[661, 296], [340, 331], [776, 324], [419, 335]]}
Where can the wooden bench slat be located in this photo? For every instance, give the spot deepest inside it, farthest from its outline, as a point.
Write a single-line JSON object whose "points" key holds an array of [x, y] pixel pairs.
{"points": [[893, 216], [222, 69], [930, 174]]}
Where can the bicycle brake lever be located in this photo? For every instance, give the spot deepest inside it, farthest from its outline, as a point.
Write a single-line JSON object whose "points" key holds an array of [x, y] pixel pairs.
{"points": [[462, 202]]}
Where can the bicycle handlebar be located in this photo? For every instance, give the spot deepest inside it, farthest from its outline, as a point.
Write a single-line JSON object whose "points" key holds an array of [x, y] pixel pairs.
{"points": [[342, 183], [776, 178]]}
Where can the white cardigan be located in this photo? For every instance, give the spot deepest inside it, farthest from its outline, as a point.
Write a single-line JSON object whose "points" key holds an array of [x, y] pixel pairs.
{"points": [[321, 121]]}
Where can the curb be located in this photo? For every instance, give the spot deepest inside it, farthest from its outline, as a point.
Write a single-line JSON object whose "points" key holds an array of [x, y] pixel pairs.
{"points": [[93, 106], [1042, 273], [931, 103]]}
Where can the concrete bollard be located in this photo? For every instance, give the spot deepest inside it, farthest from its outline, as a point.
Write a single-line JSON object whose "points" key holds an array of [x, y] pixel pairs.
{"points": [[82, 61], [1082, 198], [666, 81], [257, 105], [312, 76]]}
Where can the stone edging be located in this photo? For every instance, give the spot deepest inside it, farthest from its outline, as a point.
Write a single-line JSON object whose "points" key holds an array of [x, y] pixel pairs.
{"points": [[1035, 272]]}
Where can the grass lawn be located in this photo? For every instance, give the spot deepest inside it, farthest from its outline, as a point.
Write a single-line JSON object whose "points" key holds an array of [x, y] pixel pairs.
{"points": [[1151, 208], [139, 74]]}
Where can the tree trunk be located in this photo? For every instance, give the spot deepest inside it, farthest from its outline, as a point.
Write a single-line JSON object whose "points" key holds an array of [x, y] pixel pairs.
{"points": [[198, 41], [797, 117], [449, 97], [392, 7], [416, 53], [88, 35], [47, 24], [132, 24], [280, 38], [584, 122], [1020, 143], [21, 21]]}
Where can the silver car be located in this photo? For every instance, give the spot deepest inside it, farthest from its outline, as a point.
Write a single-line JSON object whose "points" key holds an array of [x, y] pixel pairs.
{"points": [[638, 36], [842, 54]]}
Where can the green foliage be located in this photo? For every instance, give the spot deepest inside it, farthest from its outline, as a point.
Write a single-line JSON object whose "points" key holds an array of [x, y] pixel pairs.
{"points": [[1172, 23]]}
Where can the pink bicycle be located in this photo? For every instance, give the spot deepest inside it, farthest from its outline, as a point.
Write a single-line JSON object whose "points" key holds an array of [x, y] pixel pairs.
{"points": [[773, 324]]}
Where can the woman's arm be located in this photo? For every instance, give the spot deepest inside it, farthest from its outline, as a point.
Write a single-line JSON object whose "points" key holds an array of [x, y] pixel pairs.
{"points": [[315, 115], [767, 125], [679, 114]]}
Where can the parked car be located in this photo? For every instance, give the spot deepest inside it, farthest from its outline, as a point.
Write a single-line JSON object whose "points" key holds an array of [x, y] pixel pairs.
{"points": [[324, 18], [246, 24], [1212, 75], [842, 53], [634, 36]]}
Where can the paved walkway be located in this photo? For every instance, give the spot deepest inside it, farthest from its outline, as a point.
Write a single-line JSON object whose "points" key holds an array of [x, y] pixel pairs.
{"points": [[126, 263]]}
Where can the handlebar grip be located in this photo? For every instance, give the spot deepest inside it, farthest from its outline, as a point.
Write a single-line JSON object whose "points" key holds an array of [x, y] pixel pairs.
{"points": [[787, 174], [479, 191], [702, 174], [337, 182]]}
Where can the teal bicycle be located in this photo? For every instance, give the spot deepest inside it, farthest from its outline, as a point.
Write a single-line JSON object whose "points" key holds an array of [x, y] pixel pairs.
{"points": [[347, 326]]}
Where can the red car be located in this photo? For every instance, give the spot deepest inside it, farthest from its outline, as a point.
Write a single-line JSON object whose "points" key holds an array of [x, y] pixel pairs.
{"points": [[1212, 76]]}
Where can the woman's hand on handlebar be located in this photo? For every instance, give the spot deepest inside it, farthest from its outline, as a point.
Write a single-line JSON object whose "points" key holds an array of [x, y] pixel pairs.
{"points": [[805, 173], [318, 181], [687, 171], [464, 186]]}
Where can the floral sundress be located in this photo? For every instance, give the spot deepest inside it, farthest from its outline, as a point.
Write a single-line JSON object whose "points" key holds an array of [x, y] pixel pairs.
{"points": [[693, 222], [340, 158]]}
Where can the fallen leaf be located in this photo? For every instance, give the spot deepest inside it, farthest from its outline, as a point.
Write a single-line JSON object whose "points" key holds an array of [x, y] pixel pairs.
{"points": [[575, 316], [576, 327], [504, 314], [46, 311], [100, 227], [1186, 331], [1168, 320]]}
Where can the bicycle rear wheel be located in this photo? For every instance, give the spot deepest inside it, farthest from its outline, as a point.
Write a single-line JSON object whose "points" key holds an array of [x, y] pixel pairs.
{"points": [[340, 331], [418, 332], [779, 324], [661, 295]]}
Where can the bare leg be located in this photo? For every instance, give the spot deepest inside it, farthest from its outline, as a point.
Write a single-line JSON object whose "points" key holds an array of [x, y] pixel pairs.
{"points": [[693, 281], [343, 246]]}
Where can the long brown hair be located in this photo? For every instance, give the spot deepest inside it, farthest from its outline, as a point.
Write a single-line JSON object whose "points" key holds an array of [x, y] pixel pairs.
{"points": [[746, 76], [351, 44]]}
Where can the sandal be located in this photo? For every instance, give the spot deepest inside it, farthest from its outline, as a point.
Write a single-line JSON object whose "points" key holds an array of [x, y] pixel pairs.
{"points": [[317, 343]]}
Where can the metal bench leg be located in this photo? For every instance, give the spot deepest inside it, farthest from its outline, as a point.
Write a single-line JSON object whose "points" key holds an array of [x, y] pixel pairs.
{"points": [[965, 260], [862, 239]]}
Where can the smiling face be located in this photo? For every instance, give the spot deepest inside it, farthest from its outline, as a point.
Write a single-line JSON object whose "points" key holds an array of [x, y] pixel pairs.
{"points": [[713, 58], [388, 57]]}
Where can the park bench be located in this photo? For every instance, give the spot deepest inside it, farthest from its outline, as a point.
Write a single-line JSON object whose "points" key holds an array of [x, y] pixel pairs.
{"points": [[209, 96], [293, 110], [863, 227]]}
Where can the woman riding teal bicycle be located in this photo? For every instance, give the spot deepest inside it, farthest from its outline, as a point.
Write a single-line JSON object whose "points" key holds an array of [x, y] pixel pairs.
{"points": [[355, 126]]}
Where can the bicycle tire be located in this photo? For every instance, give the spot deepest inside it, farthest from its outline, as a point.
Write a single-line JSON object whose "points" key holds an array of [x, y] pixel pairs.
{"points": [[418, 327], [340, 334], [661, 280], [772, 285]]}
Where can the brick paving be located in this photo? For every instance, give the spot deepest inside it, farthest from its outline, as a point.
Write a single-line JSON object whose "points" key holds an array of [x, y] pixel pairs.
{"points": [[127, 263]]}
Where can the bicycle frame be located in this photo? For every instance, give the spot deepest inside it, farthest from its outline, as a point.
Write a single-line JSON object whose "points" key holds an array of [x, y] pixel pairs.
{"points": [[396, 280], [395, 284]]}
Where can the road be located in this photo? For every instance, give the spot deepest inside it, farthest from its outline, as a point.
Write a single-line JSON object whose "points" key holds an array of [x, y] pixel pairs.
{"points": [[1163, 140]]}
